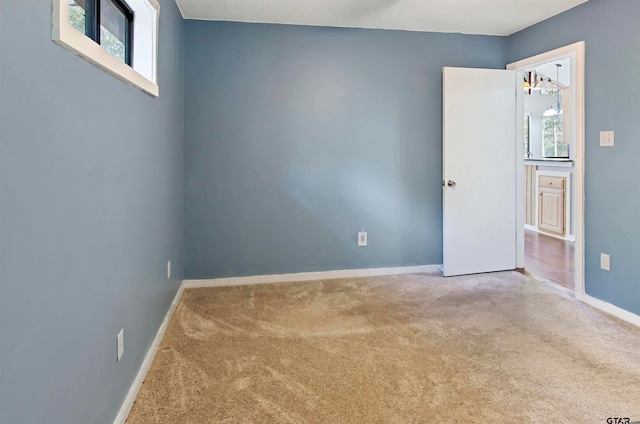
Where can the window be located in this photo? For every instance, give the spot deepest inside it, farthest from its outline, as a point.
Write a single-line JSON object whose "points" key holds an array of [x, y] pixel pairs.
{"points": [[118, 36], [552, 140], [107, 22]]}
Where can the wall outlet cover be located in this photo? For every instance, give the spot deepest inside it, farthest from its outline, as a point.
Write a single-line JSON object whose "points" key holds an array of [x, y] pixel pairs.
{"points": [[362, 238], [605, 262], [120, 343]]}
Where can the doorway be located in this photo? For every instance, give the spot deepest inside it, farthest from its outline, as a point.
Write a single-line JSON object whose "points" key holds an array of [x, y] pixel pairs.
{"points": [[550, 167], [549, 259]]}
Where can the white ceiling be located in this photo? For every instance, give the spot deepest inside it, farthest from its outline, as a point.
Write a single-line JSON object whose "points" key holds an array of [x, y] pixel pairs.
{"points": [[490, 17]]}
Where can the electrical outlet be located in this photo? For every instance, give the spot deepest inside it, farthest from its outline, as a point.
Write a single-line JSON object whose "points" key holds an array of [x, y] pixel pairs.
{"points": [[606, 138], [120, 342], [168, 270], [362, 238], [605, 262]]}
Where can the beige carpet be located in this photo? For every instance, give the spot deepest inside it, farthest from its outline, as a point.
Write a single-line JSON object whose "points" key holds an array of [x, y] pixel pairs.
{"points": [[492, 348]]}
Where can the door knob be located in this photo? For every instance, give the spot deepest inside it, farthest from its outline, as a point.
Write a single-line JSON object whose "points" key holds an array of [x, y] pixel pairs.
{"points": [[451, 184]]}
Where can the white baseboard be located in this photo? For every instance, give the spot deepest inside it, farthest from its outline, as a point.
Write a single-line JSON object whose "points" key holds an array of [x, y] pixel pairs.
{"points": [[121, 418], [308, 276], [567, 237], [610, 309]]}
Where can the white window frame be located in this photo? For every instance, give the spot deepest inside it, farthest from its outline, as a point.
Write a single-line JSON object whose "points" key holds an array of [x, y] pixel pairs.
{"points": [[143, 74]]}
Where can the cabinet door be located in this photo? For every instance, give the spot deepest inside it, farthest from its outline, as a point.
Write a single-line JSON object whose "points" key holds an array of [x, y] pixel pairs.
{"points": [[551, 210]]}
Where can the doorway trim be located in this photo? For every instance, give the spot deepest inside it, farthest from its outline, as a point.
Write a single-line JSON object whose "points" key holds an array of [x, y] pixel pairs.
{"points": [[575, 53]]}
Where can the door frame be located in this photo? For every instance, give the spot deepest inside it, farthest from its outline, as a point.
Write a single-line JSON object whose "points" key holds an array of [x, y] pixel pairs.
{"points": [[575, 53]]}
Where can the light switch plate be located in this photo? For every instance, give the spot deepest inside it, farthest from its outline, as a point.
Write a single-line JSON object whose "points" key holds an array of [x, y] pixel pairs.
{"points": [[606, 138]]}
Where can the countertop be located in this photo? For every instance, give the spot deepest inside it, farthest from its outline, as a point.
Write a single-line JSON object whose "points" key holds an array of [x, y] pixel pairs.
{"points": [[563, 162]]}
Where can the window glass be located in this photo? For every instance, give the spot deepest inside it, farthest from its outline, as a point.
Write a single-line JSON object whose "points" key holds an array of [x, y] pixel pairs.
{"points": [[77, 15], [113, 29], [552, 139]]}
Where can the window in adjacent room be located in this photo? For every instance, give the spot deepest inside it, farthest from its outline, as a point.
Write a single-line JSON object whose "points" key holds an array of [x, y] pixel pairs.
{"points": [[125, 30], [552, 140]]}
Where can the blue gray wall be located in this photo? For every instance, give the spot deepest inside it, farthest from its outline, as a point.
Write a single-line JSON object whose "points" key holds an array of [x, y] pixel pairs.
{"points": [[611, 31], [298, 137], [91, 208], [295, 138]]}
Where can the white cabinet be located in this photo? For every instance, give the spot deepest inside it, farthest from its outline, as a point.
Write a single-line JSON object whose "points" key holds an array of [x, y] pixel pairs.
{"points": [[551, 204]]}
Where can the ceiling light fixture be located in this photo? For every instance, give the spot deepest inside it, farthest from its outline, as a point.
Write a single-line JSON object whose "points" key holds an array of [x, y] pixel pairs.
{"points": [[557, 111]]}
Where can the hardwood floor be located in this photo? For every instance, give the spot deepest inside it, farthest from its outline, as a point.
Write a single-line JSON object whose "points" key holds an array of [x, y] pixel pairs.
{"points": [[549, 258]]}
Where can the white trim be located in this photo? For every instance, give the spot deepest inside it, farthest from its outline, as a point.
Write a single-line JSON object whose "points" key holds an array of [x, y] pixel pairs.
{"points": [[575, 52], [520, 188], [65, 35], [570, 237], [309, 276], [567, 238], [125, 409], [610, 309]]}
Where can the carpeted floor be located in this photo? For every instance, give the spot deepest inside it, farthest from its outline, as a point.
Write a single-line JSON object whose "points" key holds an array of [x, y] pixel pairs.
{"points": [[491, 348]]}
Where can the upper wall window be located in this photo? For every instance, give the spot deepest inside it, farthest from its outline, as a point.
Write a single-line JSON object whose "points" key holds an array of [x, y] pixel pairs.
{"points": [[107, 22], [118, 36]]}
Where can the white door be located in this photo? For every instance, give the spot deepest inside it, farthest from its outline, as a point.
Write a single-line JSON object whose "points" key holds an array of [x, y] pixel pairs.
{"points": [[479, 175]]}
